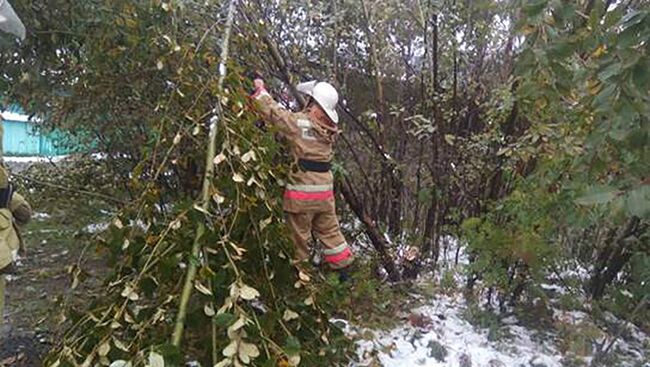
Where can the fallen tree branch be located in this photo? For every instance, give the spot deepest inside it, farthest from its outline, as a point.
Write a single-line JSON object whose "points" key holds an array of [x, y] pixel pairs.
{"points": [[377, 239], [70, 189], [207, 184]]}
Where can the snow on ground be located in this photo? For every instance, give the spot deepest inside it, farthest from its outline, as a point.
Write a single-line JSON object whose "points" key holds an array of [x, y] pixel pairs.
{"points": [[34, 159], [41, 216], [416, 345], [94, 228], [437, 334]]}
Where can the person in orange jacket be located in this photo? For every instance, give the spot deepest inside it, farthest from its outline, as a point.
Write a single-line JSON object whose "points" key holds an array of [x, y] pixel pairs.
{"points": [[309, 195]]}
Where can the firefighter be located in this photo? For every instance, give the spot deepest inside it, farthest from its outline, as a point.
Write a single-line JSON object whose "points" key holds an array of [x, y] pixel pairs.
{"points": [[14, 212], [309, 195]]}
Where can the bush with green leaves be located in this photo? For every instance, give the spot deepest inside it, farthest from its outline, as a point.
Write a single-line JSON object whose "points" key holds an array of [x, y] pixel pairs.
{"points": [[582, 193]]}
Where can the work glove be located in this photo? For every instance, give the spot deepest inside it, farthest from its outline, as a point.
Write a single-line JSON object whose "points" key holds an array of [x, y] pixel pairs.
{"points": [[5, 196], [259, 86]]}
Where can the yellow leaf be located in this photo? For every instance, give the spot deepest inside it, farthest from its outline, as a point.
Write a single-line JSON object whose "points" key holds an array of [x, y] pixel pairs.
{"points": [[248, 293], [248, 351], [237, 325], [290, 315], [203, 289], [600, 50], [128, 318], [265, 222], [231, 349], [156, 360], [118, 223], [237, 178], [248, 156], [218, 198], [219, 158], [450, 139], [104, 349], [294, 360], [118, 343], [309, 301], [208, 310], [303, 276]]}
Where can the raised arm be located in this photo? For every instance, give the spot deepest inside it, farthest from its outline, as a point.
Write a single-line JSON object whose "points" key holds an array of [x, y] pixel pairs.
{"points": [[272, 112]]}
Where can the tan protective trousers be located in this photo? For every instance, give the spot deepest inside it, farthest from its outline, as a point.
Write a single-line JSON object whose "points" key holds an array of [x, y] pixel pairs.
{"points": [[325, 226]]}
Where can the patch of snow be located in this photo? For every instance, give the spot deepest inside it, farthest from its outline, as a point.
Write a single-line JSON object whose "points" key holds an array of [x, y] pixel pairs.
{"points": [[41, 216], [96, 227], [13, 116], [34, 159], [554, 288], [411, 346]]}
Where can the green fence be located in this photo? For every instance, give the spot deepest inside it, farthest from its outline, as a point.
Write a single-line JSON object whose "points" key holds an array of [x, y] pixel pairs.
{"points": [[22, 138]]}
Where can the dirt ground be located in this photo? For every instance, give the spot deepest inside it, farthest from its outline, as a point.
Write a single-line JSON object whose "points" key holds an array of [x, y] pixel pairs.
{"points": [[41, 286]]}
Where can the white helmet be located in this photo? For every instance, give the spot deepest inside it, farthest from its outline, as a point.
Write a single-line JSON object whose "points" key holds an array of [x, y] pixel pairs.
{"points": [[9, 21], [324, 94]]}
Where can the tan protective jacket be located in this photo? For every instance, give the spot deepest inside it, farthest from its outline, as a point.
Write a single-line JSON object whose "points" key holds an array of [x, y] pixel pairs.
{"points": [[306, 191], [17, 214]]}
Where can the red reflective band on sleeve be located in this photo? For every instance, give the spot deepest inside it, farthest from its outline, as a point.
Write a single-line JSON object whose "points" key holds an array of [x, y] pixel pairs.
{"points": [[339, 257], [302, 195]]}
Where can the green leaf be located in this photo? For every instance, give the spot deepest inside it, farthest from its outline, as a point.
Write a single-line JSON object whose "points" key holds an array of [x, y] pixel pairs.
{"points": [[637, 202], [534, 8], [293, 346], [610, 71], [633, 18], [597, 195], [602, 100], [224, 319]]}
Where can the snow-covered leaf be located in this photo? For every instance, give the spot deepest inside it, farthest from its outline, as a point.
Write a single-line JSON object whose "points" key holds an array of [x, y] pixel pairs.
{"points": [[224, 363], [118, 363]]}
